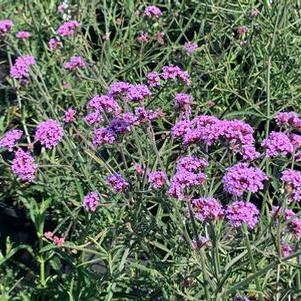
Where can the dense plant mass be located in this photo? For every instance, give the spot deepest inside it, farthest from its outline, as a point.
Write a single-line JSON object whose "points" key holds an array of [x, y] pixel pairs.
{"points": [[150, 151]]}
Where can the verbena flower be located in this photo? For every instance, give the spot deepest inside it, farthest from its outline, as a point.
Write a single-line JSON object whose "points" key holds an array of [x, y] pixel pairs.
{"points": [[207, 208], [182, 180], [181, 128], [91, 201], [152, 11], [286, 249], [105, 103], [70, 114], [144, 115], [295, 226], [23, 35], [277, 144], [286, 214], [240, 212], [242, 178], [49, 133], [190, 47], [75, 62], [295, 140], [153, 79], [143, 37], [288, 119], [138, 93], [24, 166], [183, 102], [10, 138], [175, 72], [191, 163], [119, 125], [68, 29], [157, 179], [117, 182], [292, 180], [207, 129], [21, 67], [5, 26], [94, 118], [103, 135], [118, 88], [54, 43]]}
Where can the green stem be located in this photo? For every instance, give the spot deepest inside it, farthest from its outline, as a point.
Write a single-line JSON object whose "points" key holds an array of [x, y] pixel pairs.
{"points": [[253, 266]]}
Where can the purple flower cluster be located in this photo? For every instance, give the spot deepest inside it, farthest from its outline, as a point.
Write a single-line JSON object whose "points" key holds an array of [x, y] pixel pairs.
{"points": [[187, 175], [241, 212], [236, 134], [277, 144], [183, 102], [138, 93], [54, 43], [157, 179], [175, 72], [117, 182], [23, 35], [69, 115], [241, 178], [75, 62], [105, 103], [49, 133], [153, 79], [206, 209], [152, 11], [103, 135], [94, 118], [23, 166], [91, 201], [191, 163], [288, 119], [20, 69], [5, 26], [190, 47], [10, 138], [119, 88], [67, 29], [292, 180]]}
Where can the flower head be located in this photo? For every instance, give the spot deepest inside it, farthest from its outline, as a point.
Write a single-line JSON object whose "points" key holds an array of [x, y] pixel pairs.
{"points": [[91, 201], [103, 135], [153, 79], [10, 138], [207, 209], [157, 179], [5, 26], [175, 72], [190, 47], [288, 119], [117, 182], [152, 11], [69, 115], [23, 166], [137, 93], [241, 212], [54, 43], [292, 180], [23, 35], [49, 133], [75, 62], [68, 29], [241, 178], [21, 67], [277, 144]]}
